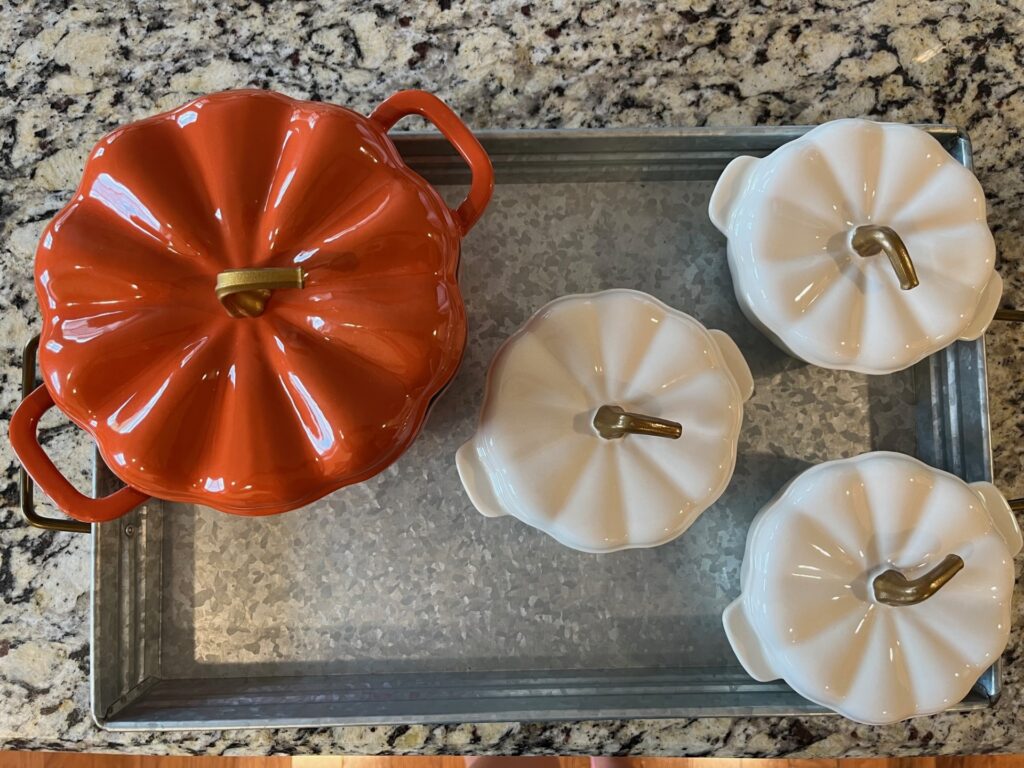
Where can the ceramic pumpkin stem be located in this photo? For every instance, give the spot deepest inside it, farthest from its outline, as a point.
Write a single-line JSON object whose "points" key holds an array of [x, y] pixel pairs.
{"points": [[893, 588], [244, 292], [872, 239], [612, 422]]}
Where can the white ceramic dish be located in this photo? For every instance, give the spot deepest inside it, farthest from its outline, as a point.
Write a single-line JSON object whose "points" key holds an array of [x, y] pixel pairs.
{"points": [[538, 456], [792, 220], [811, 611]]}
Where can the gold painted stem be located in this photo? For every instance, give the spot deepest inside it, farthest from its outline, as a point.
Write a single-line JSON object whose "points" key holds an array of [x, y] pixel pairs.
{"points": [[245, 292], [893, 588], [611, 423], [872, 239]]}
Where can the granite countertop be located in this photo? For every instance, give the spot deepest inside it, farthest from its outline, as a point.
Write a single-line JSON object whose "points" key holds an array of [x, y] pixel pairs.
{"points": [[72, 73]]}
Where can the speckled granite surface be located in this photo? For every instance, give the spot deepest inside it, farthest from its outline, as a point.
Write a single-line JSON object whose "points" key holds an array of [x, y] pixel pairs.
{"points": [[70, 74]]}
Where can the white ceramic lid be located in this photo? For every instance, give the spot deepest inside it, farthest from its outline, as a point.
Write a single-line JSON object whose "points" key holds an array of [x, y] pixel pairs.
{"points": [[809, 612], [790, 219], [538, 456]]}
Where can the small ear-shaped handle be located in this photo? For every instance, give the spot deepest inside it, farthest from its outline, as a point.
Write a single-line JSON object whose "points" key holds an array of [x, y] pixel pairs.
{"points": [[428, 106], [25, 442], [745, 642], [1002, 515], [987, 308], [476, 482], [736, 363], [728, 189]]}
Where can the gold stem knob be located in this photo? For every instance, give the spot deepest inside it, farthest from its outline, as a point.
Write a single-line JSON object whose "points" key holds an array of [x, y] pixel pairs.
{"points": [[893, 588], [872, 239], [244, 292], [611, 423]]}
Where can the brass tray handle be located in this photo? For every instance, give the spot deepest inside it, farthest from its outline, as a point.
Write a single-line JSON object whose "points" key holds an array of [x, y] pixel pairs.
{"points": [[893, 588], [24, 435], [612, 422], [872, 239], [245, 292], [25, 484], [1012, 316], [28, 509]]}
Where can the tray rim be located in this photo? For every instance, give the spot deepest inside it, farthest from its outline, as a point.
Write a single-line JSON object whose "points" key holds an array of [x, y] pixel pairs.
{"points": [[502, 143]]}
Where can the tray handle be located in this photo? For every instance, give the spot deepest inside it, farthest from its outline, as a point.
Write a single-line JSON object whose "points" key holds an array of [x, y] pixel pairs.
{"points": [[36, 465], [1012, 316], [428, 106], [476, 482]]}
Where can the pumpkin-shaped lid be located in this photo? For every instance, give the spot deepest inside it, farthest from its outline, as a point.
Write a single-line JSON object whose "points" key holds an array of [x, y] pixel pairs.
{"points": [[861, 245], [610, 421], [251, 300], [877, 587]]}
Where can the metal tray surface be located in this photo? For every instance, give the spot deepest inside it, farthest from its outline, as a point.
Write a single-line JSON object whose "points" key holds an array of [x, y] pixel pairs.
{"points": [[394, 601]]}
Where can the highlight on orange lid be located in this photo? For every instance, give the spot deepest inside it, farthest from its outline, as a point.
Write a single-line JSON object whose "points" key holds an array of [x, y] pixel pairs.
{"points": [[249, 302]]}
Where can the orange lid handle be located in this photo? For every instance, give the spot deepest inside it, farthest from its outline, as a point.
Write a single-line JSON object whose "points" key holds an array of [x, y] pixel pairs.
{"points": [[25, 441], [428, 106]]}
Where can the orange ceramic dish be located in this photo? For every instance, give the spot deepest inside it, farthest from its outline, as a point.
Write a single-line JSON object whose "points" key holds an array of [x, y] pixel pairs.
{"points": [[250, 301]]}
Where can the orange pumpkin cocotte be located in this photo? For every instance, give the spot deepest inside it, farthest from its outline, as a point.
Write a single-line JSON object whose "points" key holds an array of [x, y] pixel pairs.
{"points": [[250, 302]]}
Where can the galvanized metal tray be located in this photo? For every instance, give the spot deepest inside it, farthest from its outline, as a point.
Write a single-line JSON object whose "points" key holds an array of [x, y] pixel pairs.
{"points": [[394, 601]]}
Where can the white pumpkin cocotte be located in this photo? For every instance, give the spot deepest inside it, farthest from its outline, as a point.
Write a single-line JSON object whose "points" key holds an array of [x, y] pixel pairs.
{"points": [[537, 455], [790, 219]]}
